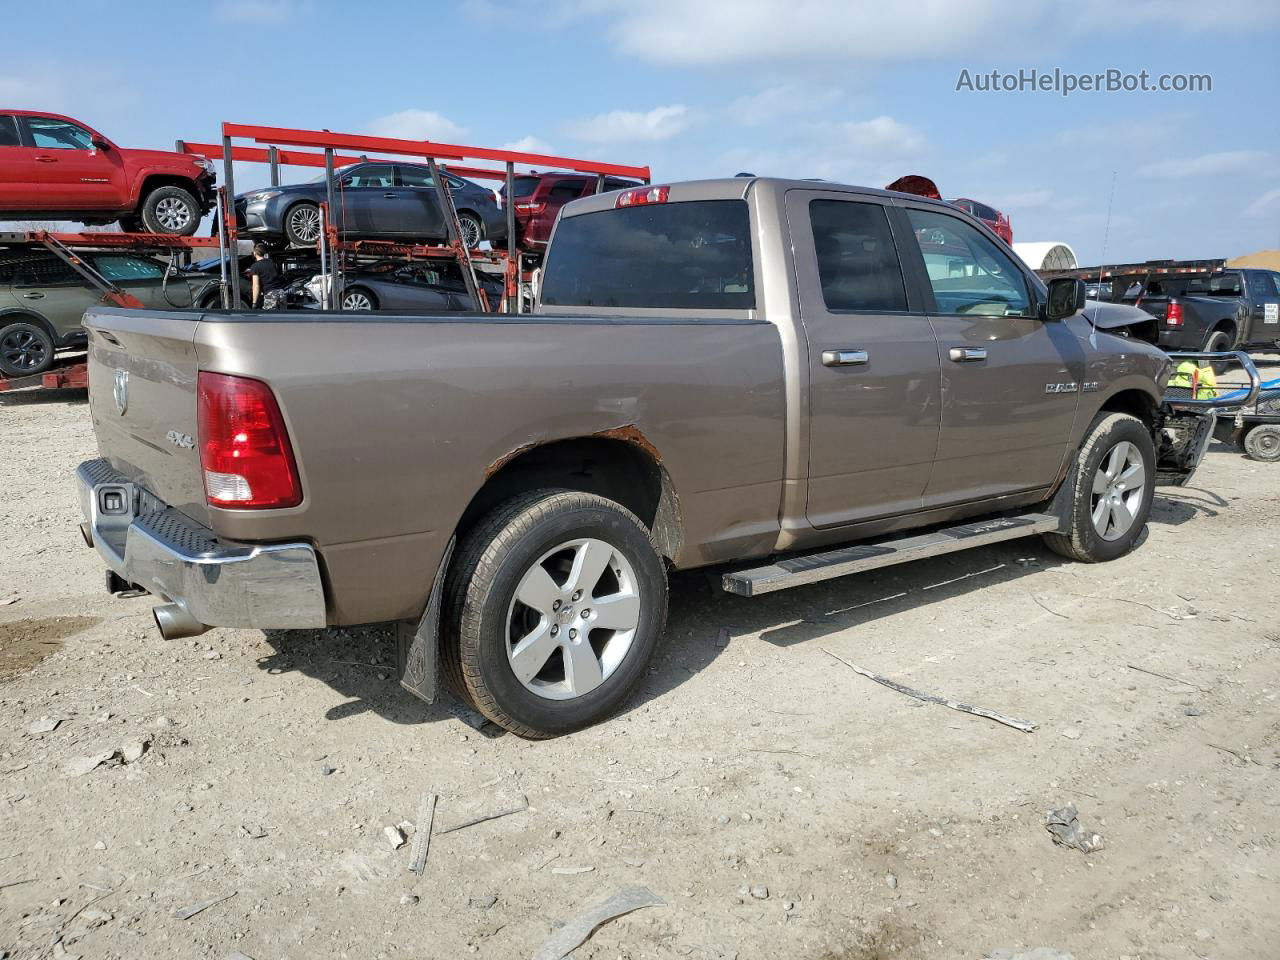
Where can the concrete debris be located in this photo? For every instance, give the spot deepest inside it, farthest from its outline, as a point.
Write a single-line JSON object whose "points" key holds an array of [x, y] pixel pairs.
{"points": [[760, 892], [722, 638], [576, 932], [134, 748], [570, 871], [483, 903], [891, 881], [44, 725], [1038, 953], [186, 913], [394, 837], [95, 918], [409, 900], [1063, 825], [82, 765], [8, 600]]}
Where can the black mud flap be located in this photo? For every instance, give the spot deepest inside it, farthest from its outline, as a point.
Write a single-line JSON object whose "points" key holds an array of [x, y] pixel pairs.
{"points": [[1181, 439], [418, 645]]}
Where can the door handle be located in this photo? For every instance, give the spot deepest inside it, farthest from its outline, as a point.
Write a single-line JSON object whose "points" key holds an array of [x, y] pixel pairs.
{"points": [[968, 354], [43, 159], [34, 295], [391, 196], [844, 358]]}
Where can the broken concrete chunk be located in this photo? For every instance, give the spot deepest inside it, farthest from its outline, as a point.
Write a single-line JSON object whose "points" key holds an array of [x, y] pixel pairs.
{"points": [[44, 725], [134, 748], [82, 765], [395, 837]]}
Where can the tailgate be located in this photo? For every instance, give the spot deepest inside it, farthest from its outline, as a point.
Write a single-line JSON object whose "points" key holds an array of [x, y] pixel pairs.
{"points": [[142, 399]]}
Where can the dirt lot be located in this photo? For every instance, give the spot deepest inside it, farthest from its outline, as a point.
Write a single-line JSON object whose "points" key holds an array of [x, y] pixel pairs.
{"points": [[880, 826]]}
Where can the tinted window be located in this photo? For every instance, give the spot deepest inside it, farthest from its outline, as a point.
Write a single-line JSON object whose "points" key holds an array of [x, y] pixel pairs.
{"points": [[49, 134], [968, 272], [9, 132], [983, 212], [40, 270], [373, 175], [1261, 283], [416, 177], [124, 269], [566, 190], [524, 186], [611, 184], [857, 261], [690, 256]]}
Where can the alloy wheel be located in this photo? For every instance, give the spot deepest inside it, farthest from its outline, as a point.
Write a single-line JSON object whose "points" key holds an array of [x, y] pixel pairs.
{"points": [[173, 214], [304, 223], [573, 619], [470, 232], [23, 350], [1118, 488], [356, 301]]}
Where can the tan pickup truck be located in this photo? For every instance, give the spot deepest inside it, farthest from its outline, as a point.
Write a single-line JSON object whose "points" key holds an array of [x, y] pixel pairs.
{"points": [[793, 379]]}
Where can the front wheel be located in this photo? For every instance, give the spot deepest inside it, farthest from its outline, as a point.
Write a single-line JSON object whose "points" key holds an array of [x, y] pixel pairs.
{"points": [[556, 602], [358, 298], [302, 225], [171, 210], [25, 349], [1114, 485], [472, 230]]}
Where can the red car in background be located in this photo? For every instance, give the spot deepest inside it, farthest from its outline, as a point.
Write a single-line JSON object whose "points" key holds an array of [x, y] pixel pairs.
{"points": [[55, 168], [924, 187], [539, 197]]}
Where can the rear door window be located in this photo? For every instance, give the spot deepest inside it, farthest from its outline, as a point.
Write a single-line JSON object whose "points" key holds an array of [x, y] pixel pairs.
{"points": [[969, 274], [1261, 283], [9, 131], [42, 270], [124, 269], [857, 260], [679, 256]]}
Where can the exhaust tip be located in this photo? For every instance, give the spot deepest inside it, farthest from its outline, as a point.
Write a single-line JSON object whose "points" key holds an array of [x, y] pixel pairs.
{"points": [[87, 533], [174, 623]]}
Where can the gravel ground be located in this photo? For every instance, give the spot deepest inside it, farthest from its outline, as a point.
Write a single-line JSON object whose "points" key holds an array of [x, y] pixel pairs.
{"points": [[779, 803]]}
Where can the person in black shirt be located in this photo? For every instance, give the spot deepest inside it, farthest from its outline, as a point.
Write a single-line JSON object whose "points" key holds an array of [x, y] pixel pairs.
{"points": [[268, 288]]}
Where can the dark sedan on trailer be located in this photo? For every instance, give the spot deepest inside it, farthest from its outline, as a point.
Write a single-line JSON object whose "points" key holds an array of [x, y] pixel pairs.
{"points": [[410, 287], [373, 200]]}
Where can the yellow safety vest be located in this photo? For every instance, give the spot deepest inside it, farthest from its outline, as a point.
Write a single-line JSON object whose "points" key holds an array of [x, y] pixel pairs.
{"points": [[1196, 377]]}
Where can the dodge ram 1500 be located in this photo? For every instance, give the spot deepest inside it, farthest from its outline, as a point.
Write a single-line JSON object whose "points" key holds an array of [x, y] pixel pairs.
{"points": [[795, 379]]}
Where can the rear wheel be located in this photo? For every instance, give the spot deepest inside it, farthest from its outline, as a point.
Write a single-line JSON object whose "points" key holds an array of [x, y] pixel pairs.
{"points": [[1263, 442], [171, 210], [358, 298], [1115, 475], [1218, 341], [25, 349], [556, 602]]}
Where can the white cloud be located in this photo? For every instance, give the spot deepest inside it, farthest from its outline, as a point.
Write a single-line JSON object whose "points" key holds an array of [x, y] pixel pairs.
{"points": [[760, 31], [417, 125], [1265, 206], [621, 126], [867, 152], [256, 11], [784, 100], [528, 144], [1205, 165], [881, 140]]}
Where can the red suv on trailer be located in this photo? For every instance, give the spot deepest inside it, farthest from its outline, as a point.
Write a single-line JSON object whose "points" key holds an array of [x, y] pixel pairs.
{"points": [[539, 197], [53, 167]]}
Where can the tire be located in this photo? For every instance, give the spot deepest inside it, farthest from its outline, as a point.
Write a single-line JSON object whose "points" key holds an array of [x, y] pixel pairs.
{"points": [[359, 298], [1091, 538], [1263, 442], [1218, 341], [25, 349], [170, 210], [301, 224], [472, 230], [528, 549]]}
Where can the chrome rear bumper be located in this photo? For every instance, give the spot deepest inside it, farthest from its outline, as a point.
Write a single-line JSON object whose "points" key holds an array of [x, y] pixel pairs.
{"points": [[218, 583]]}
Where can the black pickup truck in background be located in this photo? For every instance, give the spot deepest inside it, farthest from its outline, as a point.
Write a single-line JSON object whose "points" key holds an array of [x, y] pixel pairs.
{"points": [[1197, 304]]}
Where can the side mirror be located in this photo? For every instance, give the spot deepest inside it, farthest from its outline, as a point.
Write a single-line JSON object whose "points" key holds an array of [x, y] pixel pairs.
{"points": [[348, 181], [100, 144], [1066, 298]]}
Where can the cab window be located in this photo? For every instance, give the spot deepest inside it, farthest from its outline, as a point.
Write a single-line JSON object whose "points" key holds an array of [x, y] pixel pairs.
{"points": [[857, 260], [46, 133], [968, 273]]}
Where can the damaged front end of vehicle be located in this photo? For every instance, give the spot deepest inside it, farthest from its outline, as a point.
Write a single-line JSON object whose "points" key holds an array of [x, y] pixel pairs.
{"points": [[1190, 410]]}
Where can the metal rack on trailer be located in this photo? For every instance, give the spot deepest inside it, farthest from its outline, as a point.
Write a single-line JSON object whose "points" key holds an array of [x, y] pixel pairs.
{"points": [[324, 146], [1147, 269]]}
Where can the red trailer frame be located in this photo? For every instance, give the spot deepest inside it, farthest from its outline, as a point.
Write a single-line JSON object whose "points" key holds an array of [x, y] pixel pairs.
{"points": [[324, 153]]}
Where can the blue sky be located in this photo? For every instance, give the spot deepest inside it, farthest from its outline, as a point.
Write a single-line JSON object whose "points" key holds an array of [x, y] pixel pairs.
{"points": [[854, 91]]}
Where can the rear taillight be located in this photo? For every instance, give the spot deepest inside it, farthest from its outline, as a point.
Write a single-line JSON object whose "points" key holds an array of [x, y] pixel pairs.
{"points": [[530, 207], [1174, 317], [642, 195], [244, 448]]}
